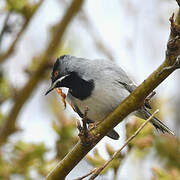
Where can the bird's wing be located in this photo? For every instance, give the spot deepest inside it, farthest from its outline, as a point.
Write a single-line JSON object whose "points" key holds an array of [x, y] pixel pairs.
{"points": [[128, 84], [129, 87], [123, 79]]}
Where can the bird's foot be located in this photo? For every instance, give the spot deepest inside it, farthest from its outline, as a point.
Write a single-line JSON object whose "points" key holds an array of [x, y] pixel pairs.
{"points": [[85, 135], [92, 126], [87, 138]]}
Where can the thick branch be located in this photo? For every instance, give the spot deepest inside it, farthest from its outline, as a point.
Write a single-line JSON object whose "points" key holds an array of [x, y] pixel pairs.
{"points": [[130, 104], [27, 90]]}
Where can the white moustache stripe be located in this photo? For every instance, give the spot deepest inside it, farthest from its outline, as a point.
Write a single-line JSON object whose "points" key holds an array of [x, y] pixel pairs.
{"points": [[60, 79]]}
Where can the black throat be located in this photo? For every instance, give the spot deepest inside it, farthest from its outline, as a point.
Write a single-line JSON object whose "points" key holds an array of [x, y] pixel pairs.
{"points": [[78, 87]]}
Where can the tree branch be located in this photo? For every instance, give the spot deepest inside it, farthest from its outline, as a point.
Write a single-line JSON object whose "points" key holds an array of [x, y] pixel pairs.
{"points": [[88, 25], [88, 174], [117, 153], [130, 104], [4, 27], [22, 96], [9, 52]]}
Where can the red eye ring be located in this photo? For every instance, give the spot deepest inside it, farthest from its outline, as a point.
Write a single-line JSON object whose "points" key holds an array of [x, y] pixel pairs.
{"points": [[56, 73]]}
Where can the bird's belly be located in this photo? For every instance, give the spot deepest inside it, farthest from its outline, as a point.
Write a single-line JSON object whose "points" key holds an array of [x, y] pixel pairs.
{"points": [[98, 106], [96, 112]]}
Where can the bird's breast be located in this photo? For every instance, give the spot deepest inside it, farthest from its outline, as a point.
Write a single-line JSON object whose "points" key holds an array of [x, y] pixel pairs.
{"points": [[100, 103]]}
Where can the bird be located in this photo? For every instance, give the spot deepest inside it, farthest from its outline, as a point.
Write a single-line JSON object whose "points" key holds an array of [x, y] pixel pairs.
{"points": [[101, 85]]}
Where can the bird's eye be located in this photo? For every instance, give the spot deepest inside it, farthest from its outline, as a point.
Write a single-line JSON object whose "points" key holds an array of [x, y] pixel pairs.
{"points": [[56, 73]]}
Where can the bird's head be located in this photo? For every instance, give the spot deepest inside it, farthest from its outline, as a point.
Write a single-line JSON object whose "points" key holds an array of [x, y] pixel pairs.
{"points": [[71, 72], [60, 74]]}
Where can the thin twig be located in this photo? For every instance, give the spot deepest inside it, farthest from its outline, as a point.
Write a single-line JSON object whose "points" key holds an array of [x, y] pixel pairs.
{"points": [[88, 174], [102, 47], [4, 26], [9, 52], [94, 34], [116, 154]]}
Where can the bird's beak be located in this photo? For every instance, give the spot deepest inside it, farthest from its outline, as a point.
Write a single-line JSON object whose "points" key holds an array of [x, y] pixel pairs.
{"points": [[50, 89], [53, 85]]}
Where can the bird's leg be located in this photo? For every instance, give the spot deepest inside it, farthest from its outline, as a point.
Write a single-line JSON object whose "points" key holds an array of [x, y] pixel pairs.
{"points": [[86, 137], [84, 121]]}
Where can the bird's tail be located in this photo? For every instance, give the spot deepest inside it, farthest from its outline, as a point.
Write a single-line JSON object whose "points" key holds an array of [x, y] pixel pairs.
{"points": [[113, 134], [159, 125]]}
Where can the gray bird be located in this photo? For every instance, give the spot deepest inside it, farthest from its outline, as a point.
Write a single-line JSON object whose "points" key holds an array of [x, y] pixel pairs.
{"points": [[99, 85]]}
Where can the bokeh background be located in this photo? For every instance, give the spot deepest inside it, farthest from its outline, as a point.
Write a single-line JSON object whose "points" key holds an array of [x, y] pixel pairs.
{"points": [[36, 131]]}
